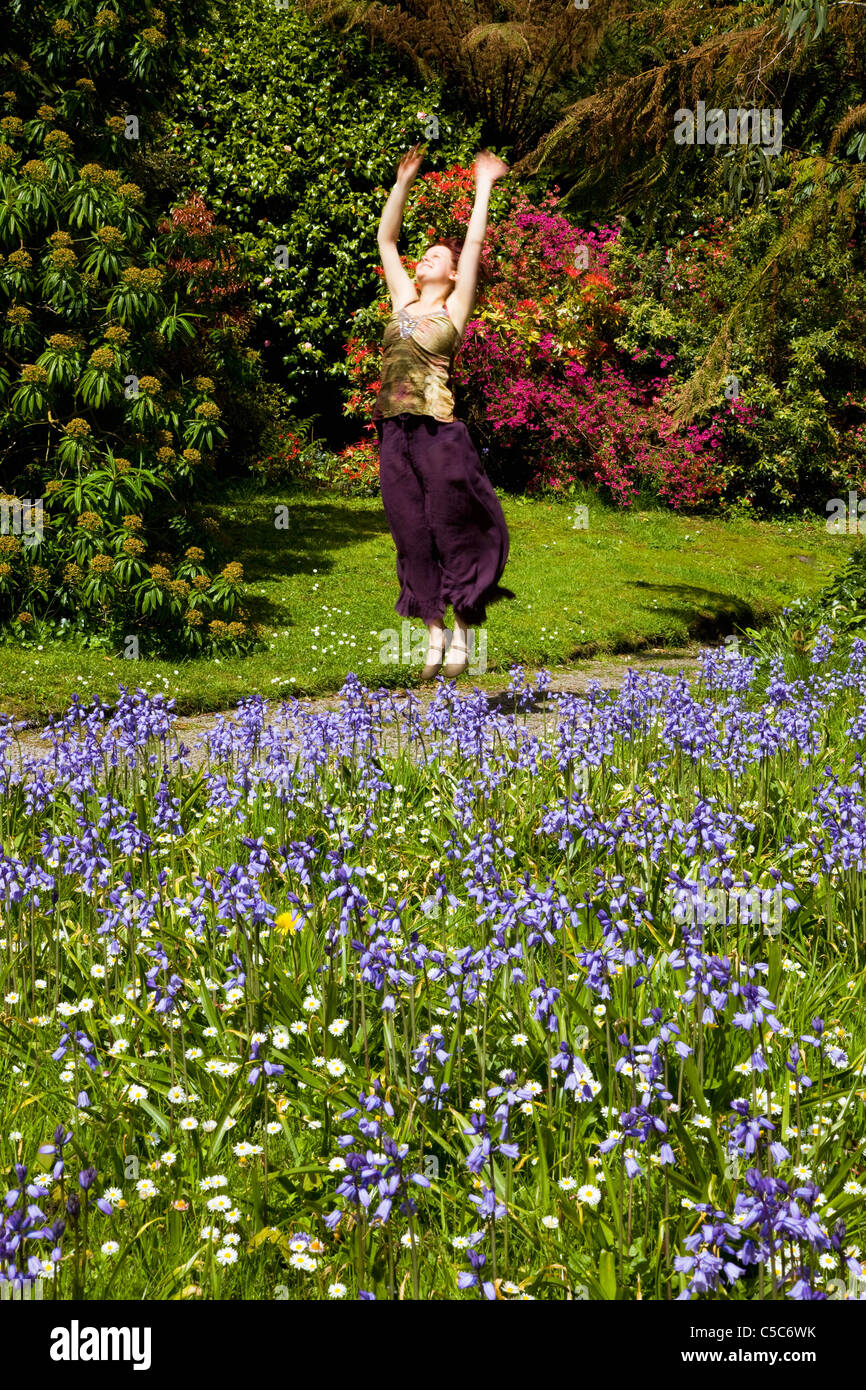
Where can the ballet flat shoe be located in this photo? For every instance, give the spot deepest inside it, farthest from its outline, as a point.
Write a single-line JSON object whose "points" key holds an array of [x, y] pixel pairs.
{"points": [[451, 669]]}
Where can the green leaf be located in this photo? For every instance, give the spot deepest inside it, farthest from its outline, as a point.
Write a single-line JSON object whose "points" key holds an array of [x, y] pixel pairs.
{"points": [[607, 1274]]}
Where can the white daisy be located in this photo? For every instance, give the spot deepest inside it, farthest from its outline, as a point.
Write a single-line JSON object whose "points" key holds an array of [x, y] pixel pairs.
{"points": [[589, 1194]]}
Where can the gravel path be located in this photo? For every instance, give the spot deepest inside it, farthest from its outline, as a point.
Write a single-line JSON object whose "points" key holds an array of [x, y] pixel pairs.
{"points": [[608, 671]]}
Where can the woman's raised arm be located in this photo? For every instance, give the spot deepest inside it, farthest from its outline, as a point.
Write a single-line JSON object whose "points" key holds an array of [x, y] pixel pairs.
{"points": [[488, 168], [397, 278]]}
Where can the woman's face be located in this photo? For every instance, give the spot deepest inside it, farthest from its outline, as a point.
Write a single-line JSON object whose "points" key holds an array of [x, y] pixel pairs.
{"points": [[436, 267]]}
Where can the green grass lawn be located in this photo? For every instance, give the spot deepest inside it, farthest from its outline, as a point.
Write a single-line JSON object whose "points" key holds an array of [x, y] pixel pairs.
{"points": [[326, 587]]}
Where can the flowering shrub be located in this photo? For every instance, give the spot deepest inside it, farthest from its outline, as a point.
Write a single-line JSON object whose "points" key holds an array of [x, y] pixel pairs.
{"points": [[207, 257], [358, 468], [537, 377], [282, 460], [113, 337]]}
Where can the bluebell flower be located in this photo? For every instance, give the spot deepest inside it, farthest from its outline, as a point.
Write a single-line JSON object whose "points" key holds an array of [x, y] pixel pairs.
{"points": [[488, 1204]]}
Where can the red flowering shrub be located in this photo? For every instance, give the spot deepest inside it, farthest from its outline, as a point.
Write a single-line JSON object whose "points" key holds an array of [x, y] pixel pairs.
{"points": [[283, 459], [353, 471], [538, 380], [196, 248], [359, 467]]}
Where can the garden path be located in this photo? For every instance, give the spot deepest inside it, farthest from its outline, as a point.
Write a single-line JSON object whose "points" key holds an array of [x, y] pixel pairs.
{"points": [[609, 671]]}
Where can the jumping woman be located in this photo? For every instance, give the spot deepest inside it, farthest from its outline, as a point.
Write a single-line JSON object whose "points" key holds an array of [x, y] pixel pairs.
{"points": [[444, 517]]}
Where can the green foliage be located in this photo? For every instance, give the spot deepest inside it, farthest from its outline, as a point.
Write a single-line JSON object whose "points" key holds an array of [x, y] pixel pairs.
{"points": [[810, 16], [115, 326], [843, 602]]}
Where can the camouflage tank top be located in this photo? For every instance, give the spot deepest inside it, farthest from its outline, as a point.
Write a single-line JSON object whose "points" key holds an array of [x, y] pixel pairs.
{"points": [[417, 354]]}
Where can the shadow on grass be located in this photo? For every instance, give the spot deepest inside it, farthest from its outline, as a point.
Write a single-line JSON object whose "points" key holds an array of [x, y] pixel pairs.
{"points": [[707, 612], [713, 616], [315, 531], [319, 529]]}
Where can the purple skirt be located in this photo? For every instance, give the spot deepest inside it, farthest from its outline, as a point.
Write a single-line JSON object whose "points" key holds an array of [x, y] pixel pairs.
{"points": [[444, 517]]}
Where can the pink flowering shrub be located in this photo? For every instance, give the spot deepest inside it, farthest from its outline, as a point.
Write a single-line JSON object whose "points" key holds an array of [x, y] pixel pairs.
{"points": [[538, 380]]}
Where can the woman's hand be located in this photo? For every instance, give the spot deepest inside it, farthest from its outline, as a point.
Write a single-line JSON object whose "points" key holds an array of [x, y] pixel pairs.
{"points": [[489, 167], [410, 164]]}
